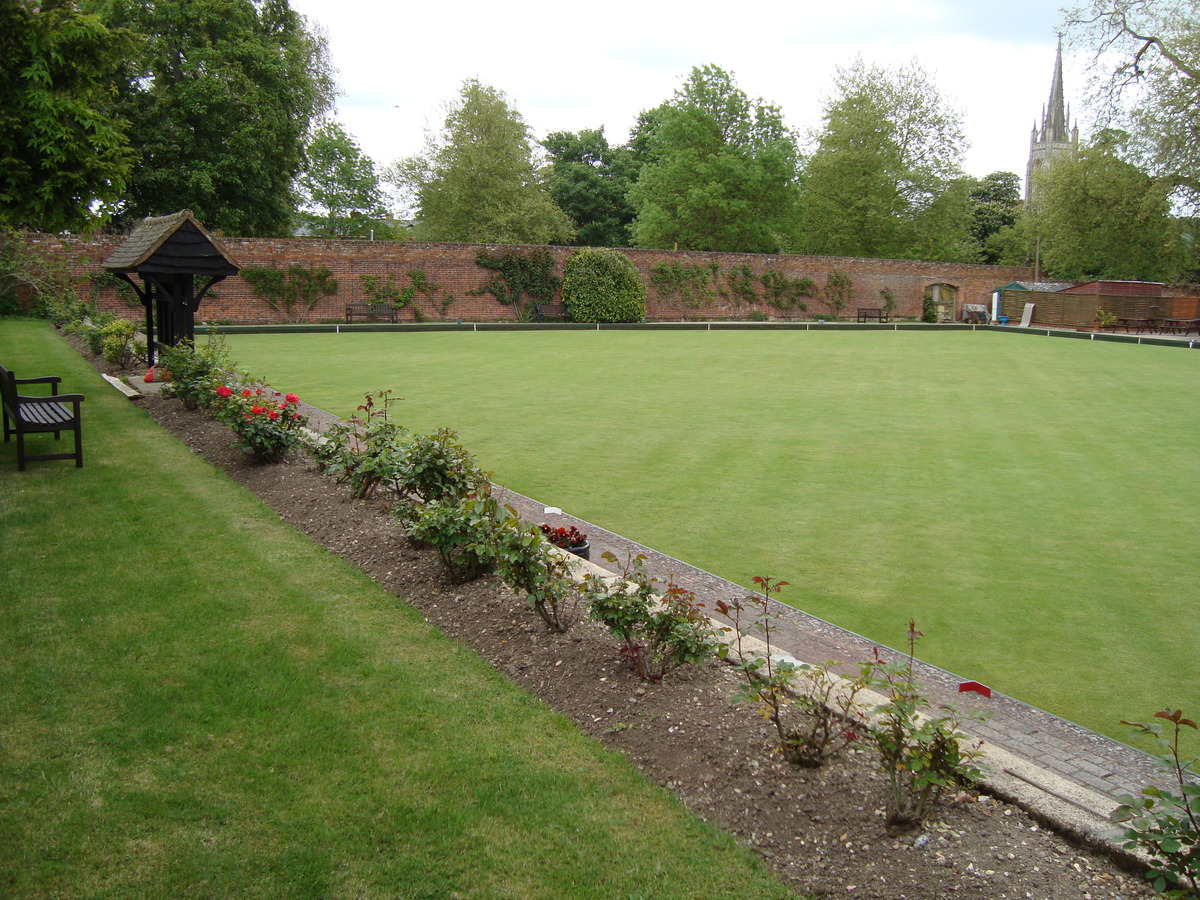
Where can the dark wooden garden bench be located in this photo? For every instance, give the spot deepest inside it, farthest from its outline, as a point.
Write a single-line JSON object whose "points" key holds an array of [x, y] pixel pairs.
{"points": [[544, 311], [40, 415], [370, 311], [872, 312]]}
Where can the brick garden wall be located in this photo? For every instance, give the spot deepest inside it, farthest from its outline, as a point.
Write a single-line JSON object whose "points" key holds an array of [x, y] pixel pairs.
{"points": [[453, 268]]}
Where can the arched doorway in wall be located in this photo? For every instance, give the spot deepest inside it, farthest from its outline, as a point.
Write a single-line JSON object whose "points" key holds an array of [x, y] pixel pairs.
{"points": [[941, 302]]}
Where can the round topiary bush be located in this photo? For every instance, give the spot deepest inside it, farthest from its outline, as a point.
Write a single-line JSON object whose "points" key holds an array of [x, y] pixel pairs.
{"points": [[603, 285]]}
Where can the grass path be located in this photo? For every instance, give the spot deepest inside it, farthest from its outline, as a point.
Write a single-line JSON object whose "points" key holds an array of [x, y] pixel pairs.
{"points": [[198, 701], [1030, 501]]}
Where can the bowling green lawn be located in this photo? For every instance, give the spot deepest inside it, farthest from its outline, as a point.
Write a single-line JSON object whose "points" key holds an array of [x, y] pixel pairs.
{"points": [[1031, 502]]}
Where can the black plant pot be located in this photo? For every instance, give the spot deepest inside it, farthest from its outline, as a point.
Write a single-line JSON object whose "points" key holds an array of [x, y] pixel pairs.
{"points": [[583, 552]]}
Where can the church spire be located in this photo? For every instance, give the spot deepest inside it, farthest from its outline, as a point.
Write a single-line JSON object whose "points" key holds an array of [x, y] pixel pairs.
{"points": [[1055, 127], [1055, 136]]}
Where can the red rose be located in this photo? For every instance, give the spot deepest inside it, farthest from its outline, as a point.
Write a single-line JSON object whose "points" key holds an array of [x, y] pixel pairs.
{"points": [[292, 398], [224, 391]]}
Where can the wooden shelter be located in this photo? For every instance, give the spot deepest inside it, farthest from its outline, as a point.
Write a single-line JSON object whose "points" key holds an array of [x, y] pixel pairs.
{"points": [[177, 262]]}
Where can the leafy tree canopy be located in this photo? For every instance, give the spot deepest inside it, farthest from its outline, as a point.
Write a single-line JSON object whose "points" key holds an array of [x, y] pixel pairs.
{"points": [[220, 95], [995, 202], [1100, 216], [885, 177], [339, 189], [590, 181], [720, 170], [478, 181], [63, 157], [1147, 56]]}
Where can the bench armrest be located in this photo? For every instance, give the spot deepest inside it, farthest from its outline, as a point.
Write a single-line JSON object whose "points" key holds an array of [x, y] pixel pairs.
{"points": [[60, 398], [44, 379]]}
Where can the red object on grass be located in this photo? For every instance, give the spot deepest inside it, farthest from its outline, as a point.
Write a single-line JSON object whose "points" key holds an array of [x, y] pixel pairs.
{"points": [[975, 686]]}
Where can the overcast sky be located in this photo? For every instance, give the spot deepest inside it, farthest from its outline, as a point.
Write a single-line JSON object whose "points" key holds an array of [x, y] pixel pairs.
{"points": [[568, 66]]}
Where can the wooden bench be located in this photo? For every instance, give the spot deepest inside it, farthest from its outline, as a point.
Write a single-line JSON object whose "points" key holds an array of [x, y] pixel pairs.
{"points": [[872, 312], [1179, 326], [40, 415], [544, 311], [370, 311]]}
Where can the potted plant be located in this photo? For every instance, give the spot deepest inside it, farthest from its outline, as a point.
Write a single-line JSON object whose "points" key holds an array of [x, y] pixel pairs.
{"points": [[569, 538]]}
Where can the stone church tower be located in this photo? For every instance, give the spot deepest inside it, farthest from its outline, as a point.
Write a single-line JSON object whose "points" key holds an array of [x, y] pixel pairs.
{"points": [[1056, 135]]}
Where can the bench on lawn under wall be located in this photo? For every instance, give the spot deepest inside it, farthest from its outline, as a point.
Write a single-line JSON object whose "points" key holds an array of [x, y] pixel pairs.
{"points": [[40, 415], [371, 311]]}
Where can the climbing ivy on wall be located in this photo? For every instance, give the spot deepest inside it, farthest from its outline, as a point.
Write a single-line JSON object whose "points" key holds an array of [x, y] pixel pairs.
{"points": [[293, 291], [384, 290], [520, 273]]}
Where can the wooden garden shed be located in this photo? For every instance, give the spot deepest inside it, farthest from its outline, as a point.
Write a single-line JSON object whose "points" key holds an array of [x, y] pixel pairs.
{"points": [[177, 262]]}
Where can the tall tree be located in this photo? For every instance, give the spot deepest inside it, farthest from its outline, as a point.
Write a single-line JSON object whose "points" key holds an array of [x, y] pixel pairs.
{"points": [[1099, 216], [884, 179], [720, 170], [1152, 90], [63, 158], [478, 180], [995, 202], [339, 189], [220, 97], [590, 181]]}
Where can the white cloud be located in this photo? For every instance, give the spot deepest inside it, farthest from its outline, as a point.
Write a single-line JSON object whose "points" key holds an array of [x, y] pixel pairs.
{"points": [[571, 67]]}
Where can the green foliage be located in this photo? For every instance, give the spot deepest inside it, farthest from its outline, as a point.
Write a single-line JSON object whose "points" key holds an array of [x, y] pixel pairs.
{"points": [[783, 292], [692, 284], [995, 205], [293, 291], [721, 170], [116, 340], [526, 563], [590, 181], [884, 179], [65, 158], [385, 290], [601, 284], [437, 467], [1151, 91], [196, 371], [219, 96], [922, 756], [519, 274], [825, 723], [338, 190], [268, 424], [365, 452], [35, 282], [477, 180], [466, 533], [839, 288], [659, 633], [1099, 216], [1166, 823], [741, 284]]}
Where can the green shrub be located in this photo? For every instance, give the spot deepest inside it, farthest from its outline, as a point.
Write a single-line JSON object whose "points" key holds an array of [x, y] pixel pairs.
{"points": [[268, 424], [437, 467], [1165, 823], [465, 532], [117, 342], [195, 372], [659, 633], [366, 452], [526, 563], [601, 284]]}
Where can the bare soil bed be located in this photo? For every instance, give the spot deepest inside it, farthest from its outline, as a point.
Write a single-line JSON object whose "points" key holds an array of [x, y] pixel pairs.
{"points": [[822, 831]]}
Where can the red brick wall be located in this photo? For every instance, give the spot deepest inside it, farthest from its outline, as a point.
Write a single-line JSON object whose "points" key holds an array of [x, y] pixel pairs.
{"points": [[453, 267]]}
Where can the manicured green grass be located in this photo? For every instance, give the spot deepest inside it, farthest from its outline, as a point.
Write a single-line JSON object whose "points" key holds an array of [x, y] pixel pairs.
{"points": [[198, 701], [1030, 501]]}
